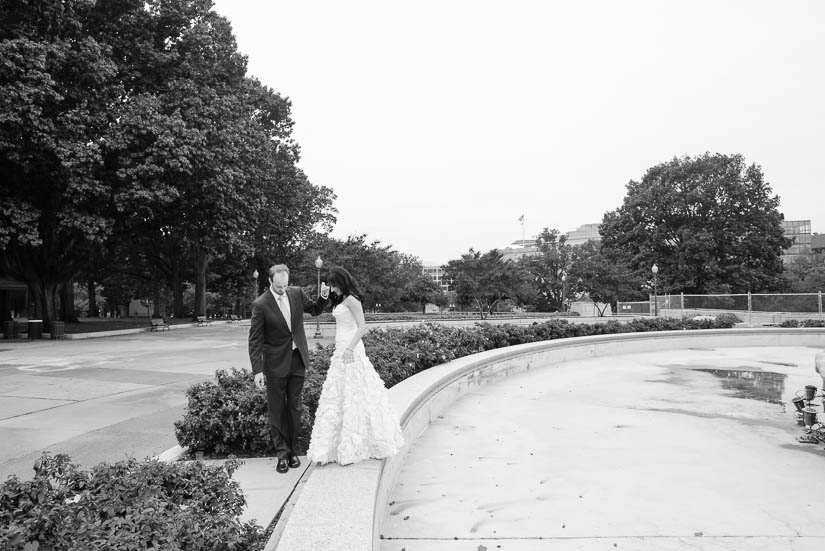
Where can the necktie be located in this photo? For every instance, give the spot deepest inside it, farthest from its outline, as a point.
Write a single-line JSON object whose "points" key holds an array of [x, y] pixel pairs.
{"points": [[283, 304]]}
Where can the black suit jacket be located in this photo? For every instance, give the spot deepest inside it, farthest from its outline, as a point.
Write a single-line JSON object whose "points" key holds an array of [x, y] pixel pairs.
{"points": [[270, 341]]}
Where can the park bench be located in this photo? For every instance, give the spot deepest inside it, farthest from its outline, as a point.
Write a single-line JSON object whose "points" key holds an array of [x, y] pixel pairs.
{"points": [[159, 324], [203, 321]]}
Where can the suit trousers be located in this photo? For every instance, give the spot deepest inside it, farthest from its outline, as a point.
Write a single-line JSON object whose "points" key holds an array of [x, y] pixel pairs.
{"points": [[285, 405]]}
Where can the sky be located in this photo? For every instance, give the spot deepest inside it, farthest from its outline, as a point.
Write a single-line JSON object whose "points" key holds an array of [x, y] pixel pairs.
{"points": [[439, 123]]}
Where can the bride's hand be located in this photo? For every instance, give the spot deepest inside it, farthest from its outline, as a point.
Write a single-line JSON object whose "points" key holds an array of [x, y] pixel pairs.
{"points": [[348, 356]]}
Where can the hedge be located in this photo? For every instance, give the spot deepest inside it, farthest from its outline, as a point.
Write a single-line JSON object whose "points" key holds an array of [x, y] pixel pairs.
{"points": [[228, 415], [803, 323], [130, 505]]}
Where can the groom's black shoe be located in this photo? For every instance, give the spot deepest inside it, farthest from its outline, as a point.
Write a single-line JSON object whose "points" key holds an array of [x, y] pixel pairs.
{"points": [[294, 462], [283, 466]]}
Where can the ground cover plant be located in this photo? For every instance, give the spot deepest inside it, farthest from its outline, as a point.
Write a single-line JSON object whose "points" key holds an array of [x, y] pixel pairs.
{"points": [[130, 505]]}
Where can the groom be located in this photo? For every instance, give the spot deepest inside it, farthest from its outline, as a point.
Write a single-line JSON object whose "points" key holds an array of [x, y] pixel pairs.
{"points": [[279, 355]]}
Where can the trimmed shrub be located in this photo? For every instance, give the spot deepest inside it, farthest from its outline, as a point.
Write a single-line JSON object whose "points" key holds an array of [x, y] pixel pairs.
{"points": [[802, 323], [126, 506], [228, 416], [728, 318]]}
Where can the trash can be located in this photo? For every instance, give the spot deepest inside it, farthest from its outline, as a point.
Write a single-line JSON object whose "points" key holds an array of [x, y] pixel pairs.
{"points": [[9, 329], [35, 329], [58, 329]]}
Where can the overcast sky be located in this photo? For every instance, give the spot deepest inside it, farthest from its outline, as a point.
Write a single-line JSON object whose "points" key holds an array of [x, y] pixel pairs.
{"points": [[439, 123]]}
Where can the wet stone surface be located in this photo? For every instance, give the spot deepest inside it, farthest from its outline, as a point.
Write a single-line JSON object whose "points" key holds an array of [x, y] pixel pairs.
{"points": [[754, 385]]}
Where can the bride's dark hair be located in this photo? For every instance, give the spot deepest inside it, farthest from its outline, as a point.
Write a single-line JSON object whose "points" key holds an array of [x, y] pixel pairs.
{"points": [[342, 279]]}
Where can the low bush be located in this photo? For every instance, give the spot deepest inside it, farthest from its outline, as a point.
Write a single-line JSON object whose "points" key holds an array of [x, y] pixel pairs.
{"points": [[803, 323], [228, 415], [728, 317], [126, 506]]}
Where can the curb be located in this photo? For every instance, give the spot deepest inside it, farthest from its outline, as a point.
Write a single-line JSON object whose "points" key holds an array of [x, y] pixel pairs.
{"points": [[172, 454], [117, 332], [287, 507]]}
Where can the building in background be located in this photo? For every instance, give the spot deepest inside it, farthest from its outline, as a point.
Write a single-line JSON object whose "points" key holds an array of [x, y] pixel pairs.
{"points": [[818, 243], [527, 247], [519, 248], [436, 273], [800, 232], [583, 234]]}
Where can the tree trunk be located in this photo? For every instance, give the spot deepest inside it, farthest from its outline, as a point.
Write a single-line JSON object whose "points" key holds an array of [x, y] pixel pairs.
{"points": [[68, 313], [44, 297], [177, 295], [156, 306], [201, 264], [5, 306], [91, 290]]}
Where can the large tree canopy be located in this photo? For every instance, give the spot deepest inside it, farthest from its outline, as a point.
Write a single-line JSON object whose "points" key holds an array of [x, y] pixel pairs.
{"points": [[134, 122], [62, 106], [603, 277], [710, 223], [384, 275], [548, 269], [484, 280]]}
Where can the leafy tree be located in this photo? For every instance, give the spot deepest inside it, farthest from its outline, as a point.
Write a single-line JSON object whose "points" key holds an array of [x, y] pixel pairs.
{"points": [[547, 269], [483, 280], [602, 277], [133, 122], [62, 107], [294, 222], [710, 223], [422, 291], [806, 274], [384, 275]]}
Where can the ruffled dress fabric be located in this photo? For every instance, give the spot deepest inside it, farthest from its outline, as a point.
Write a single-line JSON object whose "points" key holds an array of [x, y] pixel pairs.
{"points": [[354, 420]]}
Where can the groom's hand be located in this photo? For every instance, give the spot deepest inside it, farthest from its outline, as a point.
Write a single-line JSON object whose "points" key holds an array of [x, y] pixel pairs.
{"points": [[259, 380]]}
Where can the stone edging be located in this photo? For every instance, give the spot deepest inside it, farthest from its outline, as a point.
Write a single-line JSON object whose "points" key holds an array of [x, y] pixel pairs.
{"points": [[344, 507]]}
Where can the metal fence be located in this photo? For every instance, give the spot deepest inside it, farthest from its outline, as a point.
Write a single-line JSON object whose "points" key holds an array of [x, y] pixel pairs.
{"points": [[753, 308]]}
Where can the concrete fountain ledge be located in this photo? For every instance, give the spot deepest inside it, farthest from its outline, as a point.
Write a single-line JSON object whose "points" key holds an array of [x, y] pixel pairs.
{"points": [[343, 508]]}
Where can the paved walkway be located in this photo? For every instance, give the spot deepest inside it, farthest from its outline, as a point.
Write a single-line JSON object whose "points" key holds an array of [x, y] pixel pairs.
{"points": [[661, 451]]}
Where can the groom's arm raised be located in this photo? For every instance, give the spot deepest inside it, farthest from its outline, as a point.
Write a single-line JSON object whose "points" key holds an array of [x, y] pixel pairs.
{"points": [[314, 307]]}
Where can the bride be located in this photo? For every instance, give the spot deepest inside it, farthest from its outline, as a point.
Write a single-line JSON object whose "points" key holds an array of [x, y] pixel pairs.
{"points": [[354, 420]]}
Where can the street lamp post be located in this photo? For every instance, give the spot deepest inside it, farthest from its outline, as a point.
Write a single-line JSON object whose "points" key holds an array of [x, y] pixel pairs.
{"points": [[318, 265], [655, 270], [563, 291], [254, 284]]}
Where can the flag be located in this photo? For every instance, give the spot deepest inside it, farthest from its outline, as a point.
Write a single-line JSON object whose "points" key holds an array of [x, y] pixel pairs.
{"points": [[521, 219]]}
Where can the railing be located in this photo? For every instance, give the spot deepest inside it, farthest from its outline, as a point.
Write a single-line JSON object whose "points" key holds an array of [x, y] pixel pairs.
{"points": [[754, 308]]}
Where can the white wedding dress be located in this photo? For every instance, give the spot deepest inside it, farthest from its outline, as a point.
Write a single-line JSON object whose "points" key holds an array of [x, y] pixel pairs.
{"points": [[354, 420]]}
